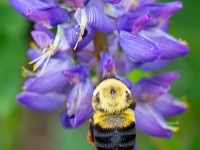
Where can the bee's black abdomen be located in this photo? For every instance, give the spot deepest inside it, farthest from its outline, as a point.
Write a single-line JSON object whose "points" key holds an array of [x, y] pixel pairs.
{"points": [[115, 138]]}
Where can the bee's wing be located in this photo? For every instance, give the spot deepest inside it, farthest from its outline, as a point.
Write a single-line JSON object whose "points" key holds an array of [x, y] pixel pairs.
{"points": [[90, 136]]}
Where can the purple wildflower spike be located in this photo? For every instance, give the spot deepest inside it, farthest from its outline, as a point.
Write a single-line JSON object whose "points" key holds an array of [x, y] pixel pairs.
{"points": [[136, 38]]}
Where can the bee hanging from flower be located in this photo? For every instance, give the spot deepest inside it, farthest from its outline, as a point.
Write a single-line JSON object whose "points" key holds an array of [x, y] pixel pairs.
{"points": [[112, 126]]}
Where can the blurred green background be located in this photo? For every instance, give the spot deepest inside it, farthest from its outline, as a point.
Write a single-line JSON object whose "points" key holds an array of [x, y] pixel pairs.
{"points": [[23, 129]]}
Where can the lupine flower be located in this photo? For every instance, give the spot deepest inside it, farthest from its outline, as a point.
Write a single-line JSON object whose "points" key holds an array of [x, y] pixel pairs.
{"points": [[110, 37], [79, 107], [148, 92]]}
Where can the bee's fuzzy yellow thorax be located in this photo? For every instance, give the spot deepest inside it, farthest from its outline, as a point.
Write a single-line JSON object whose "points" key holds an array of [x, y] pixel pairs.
{"points": [[121, 119], [111, 96]]}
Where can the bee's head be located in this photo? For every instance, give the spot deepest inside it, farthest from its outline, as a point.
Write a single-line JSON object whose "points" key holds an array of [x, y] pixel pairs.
{"points": [[112, 95]]}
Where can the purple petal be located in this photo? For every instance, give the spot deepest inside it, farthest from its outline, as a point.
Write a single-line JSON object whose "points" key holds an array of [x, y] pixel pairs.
{"points": [[131, 22], [113, 46], [76, 74], [85, 58], [51, 80], [165, 27], [145, 2], [41, 102], [65, 119], [126, 81], [128, 5], [47, 16], [33, 54], [140, 22], [41, 38], [39, 27], [148, 90], [167, 78], [155, 65], [169, 46], [124, 64], [167, 105], [151, 122], [112, 1], [84, 108], [72, 37], [79, 104], [98, 20], [161, 12], [138, 48], [23, 5], [107, 65]]}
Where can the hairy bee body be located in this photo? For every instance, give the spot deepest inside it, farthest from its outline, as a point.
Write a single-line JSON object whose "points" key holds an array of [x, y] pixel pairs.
{"points": [[112, 126], [114, 132]]}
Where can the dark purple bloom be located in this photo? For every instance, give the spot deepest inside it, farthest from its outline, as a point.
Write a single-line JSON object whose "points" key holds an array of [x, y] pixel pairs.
{"points": [[42, 12], [79, 107]]}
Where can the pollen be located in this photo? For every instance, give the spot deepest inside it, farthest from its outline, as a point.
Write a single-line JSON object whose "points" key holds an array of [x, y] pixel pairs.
{"points": [[23, 88], [79, 39], [47, 53], [184, 42], [32, 45], [172, 128], [81, 13], [176, 129], [26, 72]]}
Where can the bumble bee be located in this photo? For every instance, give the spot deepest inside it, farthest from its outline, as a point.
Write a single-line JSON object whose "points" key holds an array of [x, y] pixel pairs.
{"points": [[112, 126]]}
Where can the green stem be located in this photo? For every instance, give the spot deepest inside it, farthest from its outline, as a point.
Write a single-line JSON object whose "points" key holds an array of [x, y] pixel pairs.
{"points": [[100, 44]]}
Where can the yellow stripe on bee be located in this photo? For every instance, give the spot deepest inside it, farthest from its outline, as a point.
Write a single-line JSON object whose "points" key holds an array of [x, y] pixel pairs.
{"points": [[121, 119]]}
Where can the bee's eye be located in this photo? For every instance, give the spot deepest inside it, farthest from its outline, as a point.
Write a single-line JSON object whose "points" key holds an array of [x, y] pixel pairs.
{"points": [[97, 99], [127, 94], [97, 95]]}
